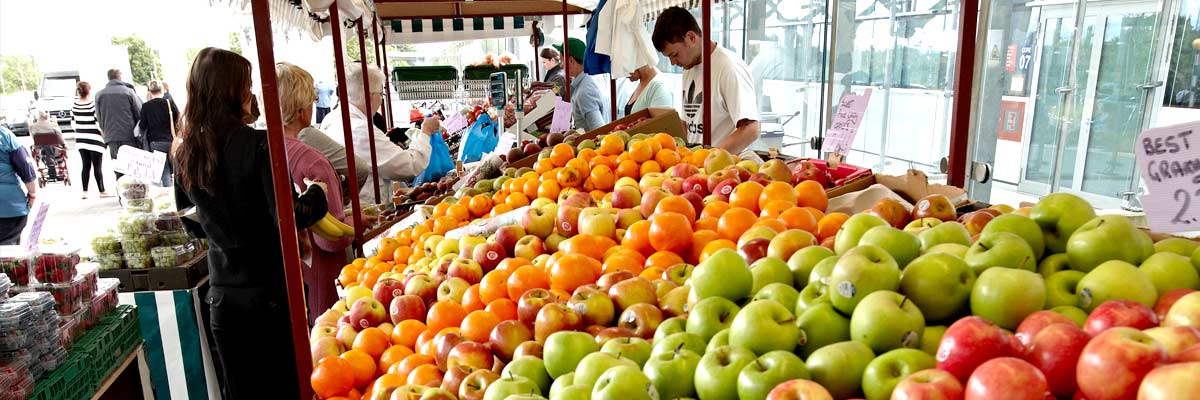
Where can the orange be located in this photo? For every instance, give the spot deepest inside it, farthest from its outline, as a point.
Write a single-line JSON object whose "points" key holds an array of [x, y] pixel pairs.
{"points": [[715, 245], [500, 209], [368, 277], [829, 225], [478, 325], [629, 169], [373, 341], [480, 205], [425, 343], [511, 264], [499, 197], [525, 278], [387, 382], [706, 223], [572, 271], [603, 177], [444, 314], [699, 240], [505, 309], [653, 273], [665, 141], [799, 218], [363, 364], [530, 188], [649, 167], [771, 222], [676, 204], [637, 237], [561, 154], [734, 222], [811, 194], [624, 261], [698, 157], [459, 212], [775, 208], [815, 212], [746, 195], [667, 158], [671, 231], [589, 245], [471, 301], [441, 209], [605, 161], [776, 191], [408, 364], [611, 145], [424, 375], [516, 200], [544, 165], [387, 248], [441, 225], [333, 376], [406, 332], [587, 155], [494, 286], [664, 259], [547, 189], [570, 176], [402, 253], [641, 151]]}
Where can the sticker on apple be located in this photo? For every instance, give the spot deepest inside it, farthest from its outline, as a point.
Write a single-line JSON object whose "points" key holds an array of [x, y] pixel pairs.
{"points": [[566, 226], [1085, 297], [847, 289], [910, 340], [492, 256]]}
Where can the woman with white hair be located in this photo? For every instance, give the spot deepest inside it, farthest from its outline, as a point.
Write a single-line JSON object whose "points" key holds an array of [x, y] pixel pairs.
{"points": [[158, 120], [395, 163]]}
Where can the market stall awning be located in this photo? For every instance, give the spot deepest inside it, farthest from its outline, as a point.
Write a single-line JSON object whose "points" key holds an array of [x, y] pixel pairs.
{"points": [[453, 29], [418, 9]]}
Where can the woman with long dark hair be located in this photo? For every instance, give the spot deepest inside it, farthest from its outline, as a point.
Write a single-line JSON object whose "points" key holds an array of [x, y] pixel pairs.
{"points": [[223, 169]]}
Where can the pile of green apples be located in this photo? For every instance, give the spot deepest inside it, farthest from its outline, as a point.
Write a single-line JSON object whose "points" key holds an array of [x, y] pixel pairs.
{"points": [[924, 310]]}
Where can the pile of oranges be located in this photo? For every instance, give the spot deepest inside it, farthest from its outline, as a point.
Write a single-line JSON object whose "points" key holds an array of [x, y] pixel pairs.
{"points": [[388, 356]]}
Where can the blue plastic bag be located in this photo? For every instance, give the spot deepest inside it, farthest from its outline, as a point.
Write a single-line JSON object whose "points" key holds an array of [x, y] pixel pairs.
{"points": [[440, 161], [481, 139]]}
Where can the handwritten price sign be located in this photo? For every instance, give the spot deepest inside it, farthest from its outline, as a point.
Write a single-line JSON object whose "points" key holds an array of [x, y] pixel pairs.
{"points": [[840, 135], [141, 164], [1170, 163]]}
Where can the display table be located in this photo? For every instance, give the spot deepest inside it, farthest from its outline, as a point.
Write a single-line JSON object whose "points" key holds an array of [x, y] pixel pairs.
{"points": [[177, 347], [125, 382]]}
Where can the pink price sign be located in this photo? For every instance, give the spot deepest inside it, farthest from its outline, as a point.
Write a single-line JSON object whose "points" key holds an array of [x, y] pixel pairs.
{"points": [[561, 121], [840, 135], [1169, 158]]}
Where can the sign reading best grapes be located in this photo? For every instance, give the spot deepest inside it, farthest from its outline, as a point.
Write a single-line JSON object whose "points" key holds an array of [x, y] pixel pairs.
{"points": [[1169, 158]]}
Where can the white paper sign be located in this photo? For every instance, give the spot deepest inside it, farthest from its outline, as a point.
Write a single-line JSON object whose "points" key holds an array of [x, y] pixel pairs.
{"points": [[840, 135], [456, 123], [140, 164], [33, 228], [505, 143], [561, 121], [1170, 166]]}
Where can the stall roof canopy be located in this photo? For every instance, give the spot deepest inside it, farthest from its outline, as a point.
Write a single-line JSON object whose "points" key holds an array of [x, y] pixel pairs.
{"points": [[418, 9]]}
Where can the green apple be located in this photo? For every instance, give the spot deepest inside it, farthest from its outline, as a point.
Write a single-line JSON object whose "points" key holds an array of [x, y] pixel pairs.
{"points": [[682, 340], [759, 377], [1168, 270], [531, 368], [445, 247], [939, 284], [814, 293], [945, 233], [1000, 249], [932, 338], [821, 325], [1053, 264], [885, 371], [1108, 237], [801, 263], [859, 272], [563, 382], [1059, 215], [820, 272], [1180, 246], [717, 375], [673, 373], [711, 315], [839, 367], [633, 348], [1074, 313], [1022, 226], [764, 326], [901, 245], [718, 340], [1061, 288], [670, 326], [920, 225], [768, 270], [887, 320], [1115, 280], [953, 249], [1006, 296], [723, 274], [1196, 260], [564, 349], [781, 293], [509, 385], [593, 365], [624, 382], [853, 229]]}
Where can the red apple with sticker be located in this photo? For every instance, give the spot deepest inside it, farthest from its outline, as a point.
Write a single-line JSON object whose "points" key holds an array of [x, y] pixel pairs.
{"points": [[1113, 364]]}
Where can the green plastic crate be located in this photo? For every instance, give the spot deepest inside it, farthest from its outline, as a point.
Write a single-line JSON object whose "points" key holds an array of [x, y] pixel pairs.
{"points": [[69, 381]]}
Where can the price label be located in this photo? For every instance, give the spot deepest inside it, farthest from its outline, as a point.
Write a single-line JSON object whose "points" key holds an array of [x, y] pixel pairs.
{"points": [[561, 122], [141, 164], [1169, 159], [37, 219], [456, 123], [840, 135]]}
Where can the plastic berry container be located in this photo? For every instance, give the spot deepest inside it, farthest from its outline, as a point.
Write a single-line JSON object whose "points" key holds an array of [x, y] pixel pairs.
{"points": [[13, 339], [40, 302], [20, 388], [138, 260], [51, 360], [170, 257], [105, 300], [139, 205], [87, 276], [10, 375], [135, 244], [56, 264], [5, 286], [131, 188], [139, 223], [15, 262], [111, 262], [67, 297], [15, 315], [106, 245], [19, 357]]}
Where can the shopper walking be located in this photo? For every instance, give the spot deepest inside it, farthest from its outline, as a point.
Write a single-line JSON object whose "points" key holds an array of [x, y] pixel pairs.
{"points": [[324, 100], [650, 92], [159, 117], [224, 170], [118, 110], [16, 169], [88, 139]]}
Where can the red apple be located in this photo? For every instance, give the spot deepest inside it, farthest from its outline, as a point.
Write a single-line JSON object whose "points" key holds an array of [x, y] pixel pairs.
{"points": [[529, 247], [423, 286], [567, 221], [472, 355], [716, 178], [506, 336], [891, 211], [489, 255], [607, 281], [531, 302], [1166, 300], [684, 170], [650, 199], [1112, 364], [578, 200], [754, 249], [975, 221], [603, 335], [696, 184], [327, 346], [555, 317], [508, 235], [1037, 321], [626, 197], [445, 343], [1114, 313], [1187, 355], [1176, 381], [367, 312], [1006, 378], [529, 348], [637, 290], [930, 384], [466, 269], [453, 379], [695, 198], [386, 289], [970, 342], [673, 185], [475, 384], [593, 306], [799, 389], [642, 318], [934, 206], [1055, 351], [406, 307], [1175, 339], [761, 178]]}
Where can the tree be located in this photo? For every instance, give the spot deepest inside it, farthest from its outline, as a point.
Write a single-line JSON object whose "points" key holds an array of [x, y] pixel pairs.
{"points": [[191, 55], [18, 73], [235, 43], [143, 60], [352, 50]]}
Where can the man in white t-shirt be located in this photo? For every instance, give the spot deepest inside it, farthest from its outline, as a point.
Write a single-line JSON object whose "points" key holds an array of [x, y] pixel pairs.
{"points": [[735, 105]]}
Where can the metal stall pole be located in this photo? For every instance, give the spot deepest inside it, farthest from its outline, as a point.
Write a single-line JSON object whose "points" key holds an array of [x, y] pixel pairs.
{"points": [[288, 240], [381, 63], [964, 77], [362, 60], [566, 50], [537, 57], [706, 58], [344, 104]]}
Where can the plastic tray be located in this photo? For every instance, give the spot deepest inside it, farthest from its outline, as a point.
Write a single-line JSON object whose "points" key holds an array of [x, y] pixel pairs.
{"points": [[138, 260], [136, 244], [106, 245], [15, 315], [139, 206], [15, 262], [131, 188], [139, 223], [168, 222], [39, 302], [173, 238], [56, 264]]}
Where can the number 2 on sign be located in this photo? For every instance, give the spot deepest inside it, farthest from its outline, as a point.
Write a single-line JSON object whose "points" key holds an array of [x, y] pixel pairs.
{"points": [[1187, 202]]}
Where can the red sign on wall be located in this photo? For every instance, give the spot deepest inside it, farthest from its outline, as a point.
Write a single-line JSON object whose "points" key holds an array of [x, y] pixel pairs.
{"points": [[1012, 120], [1010, 58]]}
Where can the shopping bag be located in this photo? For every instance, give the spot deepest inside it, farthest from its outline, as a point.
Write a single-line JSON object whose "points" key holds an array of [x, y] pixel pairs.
{"points": [[481, 139], [440, 161]]}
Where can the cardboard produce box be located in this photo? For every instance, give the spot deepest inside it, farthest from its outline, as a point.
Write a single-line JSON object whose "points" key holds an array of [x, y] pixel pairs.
{"points": [[908, 188]]}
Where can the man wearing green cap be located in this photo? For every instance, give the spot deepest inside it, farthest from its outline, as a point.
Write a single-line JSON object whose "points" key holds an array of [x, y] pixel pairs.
{"points": [[589, 105]]}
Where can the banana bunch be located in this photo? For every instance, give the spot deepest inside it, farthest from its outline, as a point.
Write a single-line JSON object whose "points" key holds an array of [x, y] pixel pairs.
{"points": [[329, 228]]}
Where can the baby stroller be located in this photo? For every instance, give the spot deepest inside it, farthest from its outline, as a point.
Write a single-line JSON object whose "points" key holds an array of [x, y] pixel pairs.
{"points": [[50, 156]]}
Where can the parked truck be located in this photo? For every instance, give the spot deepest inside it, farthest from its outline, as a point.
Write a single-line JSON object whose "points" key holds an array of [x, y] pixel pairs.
{"points": [[56, 95]]}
